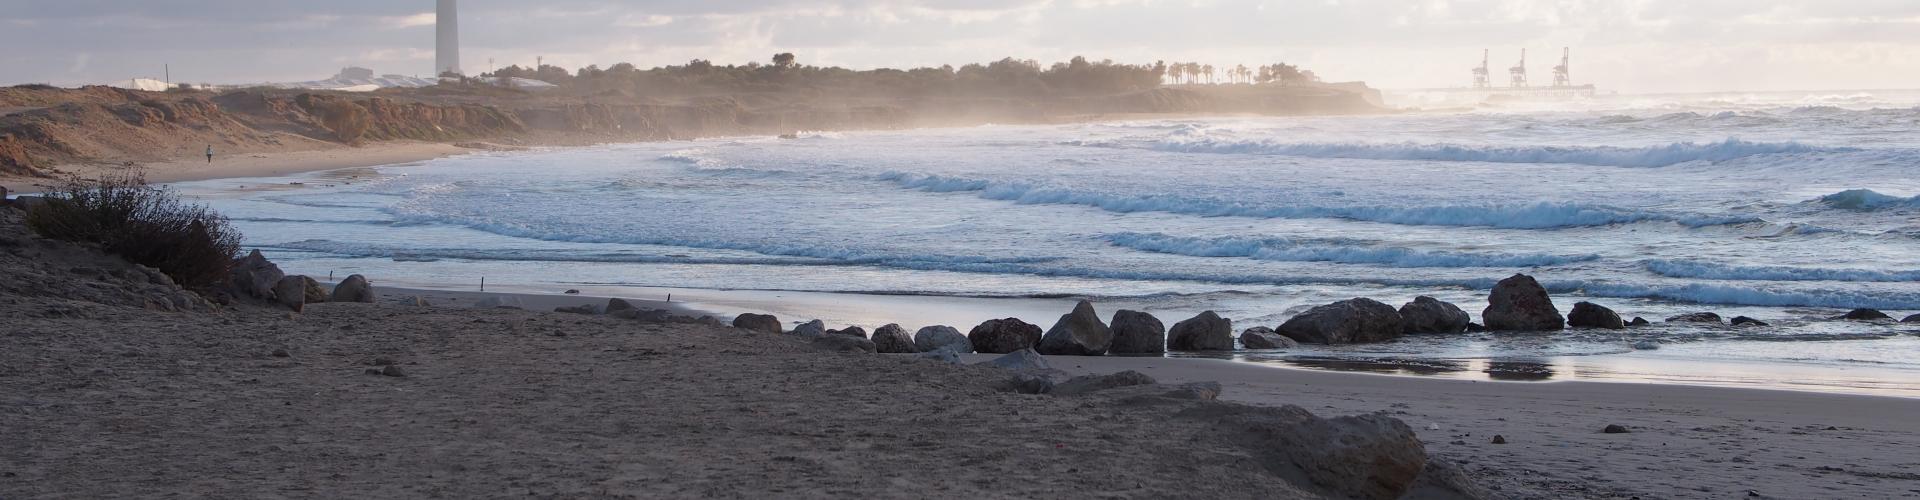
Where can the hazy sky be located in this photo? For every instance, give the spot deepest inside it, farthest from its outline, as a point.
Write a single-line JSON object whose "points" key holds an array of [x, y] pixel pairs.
{"points": [[1632, 45]]}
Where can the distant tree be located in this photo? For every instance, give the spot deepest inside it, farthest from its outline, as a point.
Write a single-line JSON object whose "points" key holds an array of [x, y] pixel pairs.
{"points": [[784, 60]]}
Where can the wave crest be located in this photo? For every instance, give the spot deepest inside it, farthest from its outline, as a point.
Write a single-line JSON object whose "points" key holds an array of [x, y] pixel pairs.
{"points": [[1713, 271], [1603, 156], [1345, 252]]}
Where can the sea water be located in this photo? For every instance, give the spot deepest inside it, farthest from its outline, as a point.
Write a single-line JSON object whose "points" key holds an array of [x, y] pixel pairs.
{"points": [[1786, 209]]}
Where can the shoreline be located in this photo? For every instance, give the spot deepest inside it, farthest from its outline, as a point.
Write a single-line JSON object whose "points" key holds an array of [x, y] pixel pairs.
{"points": [[252, 165]]}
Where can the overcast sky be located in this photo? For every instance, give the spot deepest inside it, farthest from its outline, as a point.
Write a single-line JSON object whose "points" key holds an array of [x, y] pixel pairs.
{"points": [[1630, 45]]}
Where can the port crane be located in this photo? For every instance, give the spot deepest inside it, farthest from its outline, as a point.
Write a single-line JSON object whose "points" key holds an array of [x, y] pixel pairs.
{"points": [[1562, 76], [1481, 77], [1517, 75]]}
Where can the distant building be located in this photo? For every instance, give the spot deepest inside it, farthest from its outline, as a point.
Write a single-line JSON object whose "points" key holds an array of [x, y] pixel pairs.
{"points": [[447, 42], [354, 73]]}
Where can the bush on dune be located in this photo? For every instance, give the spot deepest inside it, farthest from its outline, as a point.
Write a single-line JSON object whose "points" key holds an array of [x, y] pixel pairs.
{"points": [[143, 224]]}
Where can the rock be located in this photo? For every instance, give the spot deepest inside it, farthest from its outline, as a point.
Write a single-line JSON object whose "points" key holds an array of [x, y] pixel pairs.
{"points": [[292, 292], [617, 305], [942, 355], [254, 276], [815, 328], [572, 292], [1261, 337], [1206, 332], [1352, 321], [1863, 314], [281, 353], [1085, 384], [1136, 332], [1476, 327], [843, 343], [1024, 360], [1591, 315], [392, 371], [353, 289], [1519, 303], [1077, 333], [1743, 320], [1912, 319], [1430, 315], [586, 309], [1646, 345], [1444, 480], [415, 301], [1001, 336], [314, 293], [1615, 429], [763, 323], [1027, 383], [1639, 321], [499, 302], [892, 339], [1499, 439], [1699, 317], [1370, 456], [851, 331], [941, 338]]}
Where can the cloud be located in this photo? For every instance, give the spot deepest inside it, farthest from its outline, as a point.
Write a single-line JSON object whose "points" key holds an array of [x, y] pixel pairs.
{"points": [[410, 21]]}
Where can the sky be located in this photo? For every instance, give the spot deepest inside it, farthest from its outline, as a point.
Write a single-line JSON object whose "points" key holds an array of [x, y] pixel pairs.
{"points": [[1625, 45]]}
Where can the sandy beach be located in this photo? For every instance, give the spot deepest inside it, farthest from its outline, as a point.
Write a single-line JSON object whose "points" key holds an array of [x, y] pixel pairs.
{"points": [[248, 165]]}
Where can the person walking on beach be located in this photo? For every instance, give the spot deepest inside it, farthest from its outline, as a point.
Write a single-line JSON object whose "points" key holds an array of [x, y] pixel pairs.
{"points": [[209, 154]]}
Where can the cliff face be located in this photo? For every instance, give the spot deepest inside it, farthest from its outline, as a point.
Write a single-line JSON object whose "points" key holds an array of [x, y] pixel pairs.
{"points": [[48, 126]]}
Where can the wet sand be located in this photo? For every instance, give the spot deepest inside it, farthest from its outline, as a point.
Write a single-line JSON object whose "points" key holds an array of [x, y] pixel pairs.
{"points": [[249, 165]]}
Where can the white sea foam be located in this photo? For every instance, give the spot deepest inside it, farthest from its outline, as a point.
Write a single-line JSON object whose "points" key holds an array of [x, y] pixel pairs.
{"points": [[1606, 156], [1537, 215], [1345, 252], [1714, 271]]}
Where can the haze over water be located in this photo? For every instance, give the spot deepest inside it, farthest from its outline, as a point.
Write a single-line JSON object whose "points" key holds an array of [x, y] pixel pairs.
{"points": [[1789, 208]]}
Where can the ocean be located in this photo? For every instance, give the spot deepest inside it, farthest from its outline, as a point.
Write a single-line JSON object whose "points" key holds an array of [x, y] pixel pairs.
{"points": [[1788, 207]]}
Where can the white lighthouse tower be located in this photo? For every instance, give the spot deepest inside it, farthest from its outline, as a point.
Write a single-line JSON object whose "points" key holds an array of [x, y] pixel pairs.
{"points": [[447, 49]]}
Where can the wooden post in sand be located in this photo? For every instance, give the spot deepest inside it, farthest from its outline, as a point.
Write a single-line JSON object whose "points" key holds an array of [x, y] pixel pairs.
{"points": [[483, 283]]}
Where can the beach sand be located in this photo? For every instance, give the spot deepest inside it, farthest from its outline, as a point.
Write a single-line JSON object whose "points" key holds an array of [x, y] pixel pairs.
{"points": [[246, 165]]}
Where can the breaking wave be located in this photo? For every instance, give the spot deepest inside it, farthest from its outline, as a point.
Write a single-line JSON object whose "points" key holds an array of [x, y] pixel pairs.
{"points": [[1538, 215], [1345, 252], [1712, 271], [1604, 156], [1866, 200]]}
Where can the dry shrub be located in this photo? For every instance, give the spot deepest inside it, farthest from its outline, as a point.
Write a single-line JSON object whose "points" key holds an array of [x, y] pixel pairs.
{"points": [[143, 224]]}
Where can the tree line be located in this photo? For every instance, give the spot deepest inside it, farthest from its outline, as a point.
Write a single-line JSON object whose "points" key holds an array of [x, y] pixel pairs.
{"points": [[1005, 77]]}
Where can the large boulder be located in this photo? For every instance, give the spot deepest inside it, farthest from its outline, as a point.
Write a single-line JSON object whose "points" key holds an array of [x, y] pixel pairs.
{"points": [[1136, 332], [892, 339], [254, 276], [313, 291], [1591, 315], [292, 292], [1351, 321], [941, 338], [815, 328], [1864, 315], [1430, 315], [1206, 332], [1912, 319], [1699, 317], [1519, 303], [1261, 337], [1001, 336], [843, 343], [763, 323], [353, 289], [1746, 321], [1077, 333], [851, 331]]}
